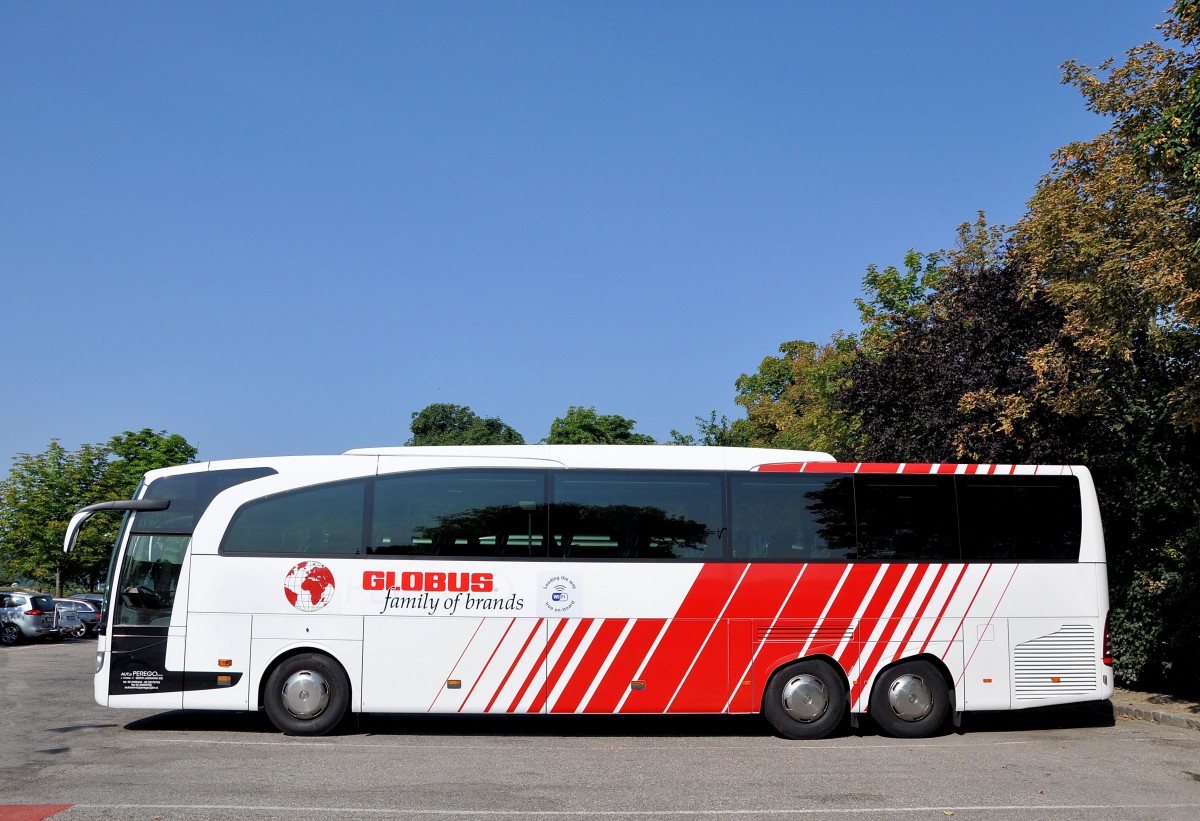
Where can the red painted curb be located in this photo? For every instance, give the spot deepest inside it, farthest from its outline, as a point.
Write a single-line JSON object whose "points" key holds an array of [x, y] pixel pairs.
{"points": [[30, 812]]}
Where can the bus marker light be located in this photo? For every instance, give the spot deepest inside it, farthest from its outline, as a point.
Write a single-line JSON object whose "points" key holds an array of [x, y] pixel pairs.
{"points": [[987, 681], [454, 684], [224, 662], [1056, 679], [224, 681], [637, 685], [746, 683]]}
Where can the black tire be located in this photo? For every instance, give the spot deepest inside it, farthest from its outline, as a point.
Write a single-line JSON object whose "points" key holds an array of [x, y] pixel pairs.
{"points": [[910, 700], [307, 694], [805, 700], [9, 634]]}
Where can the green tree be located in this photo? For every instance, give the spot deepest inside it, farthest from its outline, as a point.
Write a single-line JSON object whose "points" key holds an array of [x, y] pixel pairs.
{"points": [[446, 424], [714, 433], [583, 426], [1112, 237], [791, 401], [788, 400], [43, 490], [955, 381], [1112, 229]]}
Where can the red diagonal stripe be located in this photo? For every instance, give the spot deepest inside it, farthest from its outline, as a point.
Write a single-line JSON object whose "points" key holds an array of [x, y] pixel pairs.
{"points": [[588, 667], [537, 626], [915, 624], [479, 677], [871, 615], [945, 605], [970, 604], [624, 667], [712, 676], [564, 659], [692, 629], [888, 636], [538, 666]]}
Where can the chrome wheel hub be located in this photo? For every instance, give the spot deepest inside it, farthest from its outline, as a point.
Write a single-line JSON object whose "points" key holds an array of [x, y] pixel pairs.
{"points": [[305, 694], [805, 697], [910, 698]]}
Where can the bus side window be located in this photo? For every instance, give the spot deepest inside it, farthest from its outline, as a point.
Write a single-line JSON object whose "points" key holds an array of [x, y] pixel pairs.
{"points": [[315, 521], [792, 517], [1020, 518], [633, 514], [906, 518], [460, 513]]}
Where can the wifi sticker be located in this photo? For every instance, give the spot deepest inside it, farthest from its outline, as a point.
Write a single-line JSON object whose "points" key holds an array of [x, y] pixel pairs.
{"points": [[559, 594]]}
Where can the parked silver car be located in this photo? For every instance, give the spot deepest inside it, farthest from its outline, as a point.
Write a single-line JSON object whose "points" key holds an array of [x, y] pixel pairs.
{"points": [[89, 617], [34, 616]]}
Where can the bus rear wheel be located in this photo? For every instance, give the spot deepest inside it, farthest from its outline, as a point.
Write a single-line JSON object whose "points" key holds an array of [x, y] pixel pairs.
{"points": [[910, 700], [806, 699], [307, 694]]}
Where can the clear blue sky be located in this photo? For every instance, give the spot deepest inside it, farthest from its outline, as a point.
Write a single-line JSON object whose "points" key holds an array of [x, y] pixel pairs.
{"points": [[282, 228]]}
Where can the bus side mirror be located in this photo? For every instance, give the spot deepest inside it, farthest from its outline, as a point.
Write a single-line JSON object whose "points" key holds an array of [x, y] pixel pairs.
{"points": [[83, 514]]}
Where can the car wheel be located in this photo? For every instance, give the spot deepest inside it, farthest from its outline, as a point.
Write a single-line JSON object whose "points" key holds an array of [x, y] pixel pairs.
{"points": [[9, 634], [307, 694]]}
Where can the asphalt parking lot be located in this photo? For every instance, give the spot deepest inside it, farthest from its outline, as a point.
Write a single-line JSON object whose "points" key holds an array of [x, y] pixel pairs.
{"points": [[58, 747]]}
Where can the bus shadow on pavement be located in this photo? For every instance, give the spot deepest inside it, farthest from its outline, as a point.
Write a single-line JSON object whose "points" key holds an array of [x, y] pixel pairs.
{"points": [[372, 724], [573, 726], [1073, 716], [1059, 717], [203, 721]]}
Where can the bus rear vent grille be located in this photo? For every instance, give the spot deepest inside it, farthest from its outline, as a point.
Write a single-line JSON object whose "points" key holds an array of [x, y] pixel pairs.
{"points": [[1059, 664]]}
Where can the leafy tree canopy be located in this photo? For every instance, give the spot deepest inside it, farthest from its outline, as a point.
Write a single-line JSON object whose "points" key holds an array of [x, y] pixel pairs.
{"points": [[43, 490], [714, 433], [788, 400], [583, 426], [1112, 231], [446, 424]]}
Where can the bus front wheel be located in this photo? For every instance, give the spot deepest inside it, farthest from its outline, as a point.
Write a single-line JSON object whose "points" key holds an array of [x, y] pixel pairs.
{"points": [[910, 700], [805, 699], [307, 694]]}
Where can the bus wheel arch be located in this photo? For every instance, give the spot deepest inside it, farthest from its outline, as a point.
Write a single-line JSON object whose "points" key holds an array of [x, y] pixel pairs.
{"points": [[806, 698], [913, 697], [305, 691]]}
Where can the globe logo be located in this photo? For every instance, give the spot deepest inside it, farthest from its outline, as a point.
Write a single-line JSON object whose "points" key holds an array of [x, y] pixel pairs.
{"points": [[309, 586]]}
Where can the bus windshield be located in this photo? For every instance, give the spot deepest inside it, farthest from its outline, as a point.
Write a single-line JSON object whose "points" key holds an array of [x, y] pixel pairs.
{"points": [[149, 577], [153, 558]]}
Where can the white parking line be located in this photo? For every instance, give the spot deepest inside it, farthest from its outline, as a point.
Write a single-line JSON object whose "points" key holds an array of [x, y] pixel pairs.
{"points": [[767, 813]]}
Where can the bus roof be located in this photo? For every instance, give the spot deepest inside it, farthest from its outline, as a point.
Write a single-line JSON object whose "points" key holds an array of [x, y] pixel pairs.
{"points": [[611, 456]]}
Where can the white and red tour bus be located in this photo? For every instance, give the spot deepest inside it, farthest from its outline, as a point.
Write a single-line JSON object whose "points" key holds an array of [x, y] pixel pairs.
{"points": [[601, 580]]}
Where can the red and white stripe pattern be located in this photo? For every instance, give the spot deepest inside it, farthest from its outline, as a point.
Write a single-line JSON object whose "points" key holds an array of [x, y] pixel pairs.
{"points": [[918, 468], [737, 624]]}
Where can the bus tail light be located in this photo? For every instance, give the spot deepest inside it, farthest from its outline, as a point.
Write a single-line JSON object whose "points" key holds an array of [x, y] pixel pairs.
{"points": [[1108, 654]]}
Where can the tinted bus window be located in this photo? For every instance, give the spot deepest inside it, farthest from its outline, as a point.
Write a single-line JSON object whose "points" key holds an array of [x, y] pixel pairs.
{"points": [[637, 515], [1020, 518], [460, 513], [190, 495], [906, 518], [315, 521], [792, 517]]}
